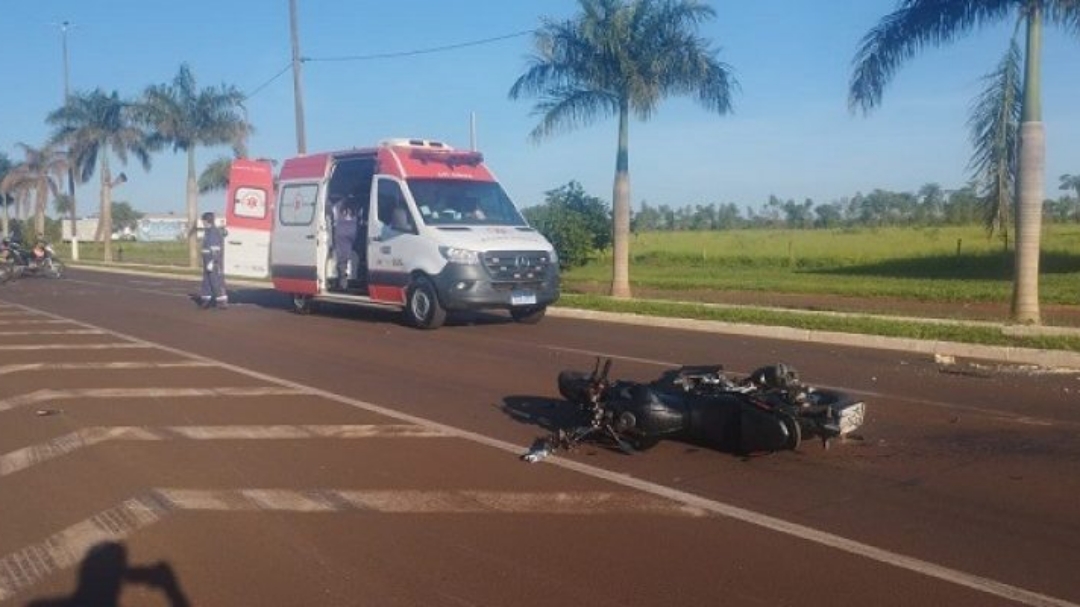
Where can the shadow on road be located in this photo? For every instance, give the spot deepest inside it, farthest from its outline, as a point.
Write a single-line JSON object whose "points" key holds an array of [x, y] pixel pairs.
{"points": [[105, 571], [276, 300]]}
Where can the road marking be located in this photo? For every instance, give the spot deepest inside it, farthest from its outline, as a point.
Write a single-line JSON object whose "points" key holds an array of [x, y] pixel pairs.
{"points": [[36, 322], [116, 346], [68, 332], [9, 369], [894, 559], [23, 569], [41, 396], [21, 459]]}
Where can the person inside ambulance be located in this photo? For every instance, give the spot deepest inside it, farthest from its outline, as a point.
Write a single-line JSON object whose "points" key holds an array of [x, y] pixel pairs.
{"points": [[393, 212], [345, 229]]}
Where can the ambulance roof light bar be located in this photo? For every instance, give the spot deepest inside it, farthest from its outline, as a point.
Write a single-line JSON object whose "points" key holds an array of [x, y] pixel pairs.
{"points": [[428, 144]]}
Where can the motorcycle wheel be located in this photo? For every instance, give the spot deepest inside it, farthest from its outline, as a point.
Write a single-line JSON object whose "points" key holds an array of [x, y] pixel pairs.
{"points": [[794, 431]]}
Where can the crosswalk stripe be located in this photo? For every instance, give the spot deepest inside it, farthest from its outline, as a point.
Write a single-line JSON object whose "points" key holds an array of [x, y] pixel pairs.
{"points": [[23, 569], [112, 346], [41, 396], [21, 459], [90, 366], [66, 332]]}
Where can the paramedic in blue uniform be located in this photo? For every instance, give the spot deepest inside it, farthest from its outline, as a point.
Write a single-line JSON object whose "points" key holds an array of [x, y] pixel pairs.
{"points": [[345, 228], [213, 251]]}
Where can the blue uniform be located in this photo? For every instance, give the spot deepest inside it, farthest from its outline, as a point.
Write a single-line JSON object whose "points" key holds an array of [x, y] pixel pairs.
{"points": [[213, 255]]}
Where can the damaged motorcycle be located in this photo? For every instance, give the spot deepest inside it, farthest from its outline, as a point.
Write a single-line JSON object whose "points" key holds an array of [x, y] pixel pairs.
{"points": [[769, 410]]}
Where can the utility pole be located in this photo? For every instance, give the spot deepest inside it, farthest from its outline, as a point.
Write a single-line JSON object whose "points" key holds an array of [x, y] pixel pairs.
{"points": [[298, 93], [64, 27]]}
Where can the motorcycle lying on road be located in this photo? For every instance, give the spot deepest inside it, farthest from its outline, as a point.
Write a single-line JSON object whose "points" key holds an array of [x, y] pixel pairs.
{"points": [[40, 260], [769, 410]]}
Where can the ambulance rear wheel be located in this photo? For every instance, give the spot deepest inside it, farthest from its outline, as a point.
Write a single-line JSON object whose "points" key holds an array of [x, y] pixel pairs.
{"points": [[302, 304], [422, 307], [528, 316]]}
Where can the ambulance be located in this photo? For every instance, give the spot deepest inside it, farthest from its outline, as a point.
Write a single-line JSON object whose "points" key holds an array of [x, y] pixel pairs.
{"points": [[436, 233]]}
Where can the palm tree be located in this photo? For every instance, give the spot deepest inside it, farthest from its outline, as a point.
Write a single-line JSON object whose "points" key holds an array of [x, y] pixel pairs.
{"points": [[616, 58], [183, 116], [1072, 182], [216, 175], [916, 24], [95, 126], [995, 130], [39, 172]]}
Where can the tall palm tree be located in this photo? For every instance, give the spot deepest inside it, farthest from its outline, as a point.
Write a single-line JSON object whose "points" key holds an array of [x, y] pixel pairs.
{"points": [[617, 58], [95, 126], [916, 24], [995, 130], [39, 172], [184, 116]]}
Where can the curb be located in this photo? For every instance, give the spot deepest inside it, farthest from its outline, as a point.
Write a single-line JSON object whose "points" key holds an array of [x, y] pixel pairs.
{"points": [[1057, 359]]}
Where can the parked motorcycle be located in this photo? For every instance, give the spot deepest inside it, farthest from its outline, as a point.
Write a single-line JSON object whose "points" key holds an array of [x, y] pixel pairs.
{"points": [[769, 410]]}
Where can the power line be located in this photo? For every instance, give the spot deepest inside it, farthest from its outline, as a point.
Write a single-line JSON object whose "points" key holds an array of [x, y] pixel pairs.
{"points": [[268, 82], [426, 51], [394, 55]]}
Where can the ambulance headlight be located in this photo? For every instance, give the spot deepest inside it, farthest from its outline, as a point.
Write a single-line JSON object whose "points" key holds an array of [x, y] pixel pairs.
{"points": [[466, 257]]}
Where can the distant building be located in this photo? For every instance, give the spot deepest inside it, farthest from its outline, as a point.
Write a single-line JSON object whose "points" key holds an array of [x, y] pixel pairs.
{"points": [[152, 227], [161, 228]]}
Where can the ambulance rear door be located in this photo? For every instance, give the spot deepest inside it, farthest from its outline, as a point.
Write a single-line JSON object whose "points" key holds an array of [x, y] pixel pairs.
{"points": [[249, 218]]}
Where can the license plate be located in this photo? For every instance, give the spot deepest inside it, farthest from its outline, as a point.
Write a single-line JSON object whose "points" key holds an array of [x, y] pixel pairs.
{"points": [[852, 417], [522, 298]]}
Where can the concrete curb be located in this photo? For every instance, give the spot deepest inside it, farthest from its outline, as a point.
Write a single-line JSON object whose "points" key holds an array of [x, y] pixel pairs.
{"points": [[1059, 359], [1056, 359]]}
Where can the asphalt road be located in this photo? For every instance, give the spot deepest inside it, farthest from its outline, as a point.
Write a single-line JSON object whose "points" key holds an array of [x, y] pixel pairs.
{"points": [[155, 454]]}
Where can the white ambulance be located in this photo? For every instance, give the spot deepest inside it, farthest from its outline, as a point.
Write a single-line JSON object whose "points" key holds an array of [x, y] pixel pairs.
{"points": [[436, 233]]}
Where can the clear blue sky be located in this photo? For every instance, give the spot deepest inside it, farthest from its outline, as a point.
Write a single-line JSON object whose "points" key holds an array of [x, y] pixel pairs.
{"points": [[791, 134]]}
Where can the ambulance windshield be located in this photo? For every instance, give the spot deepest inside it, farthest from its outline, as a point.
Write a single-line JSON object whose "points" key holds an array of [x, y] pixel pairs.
{"points": [[444, 202]]}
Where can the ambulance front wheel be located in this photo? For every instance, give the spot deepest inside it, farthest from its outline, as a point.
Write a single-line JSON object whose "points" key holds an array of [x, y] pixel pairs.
{"points": [[302, 304], [422, 307]]}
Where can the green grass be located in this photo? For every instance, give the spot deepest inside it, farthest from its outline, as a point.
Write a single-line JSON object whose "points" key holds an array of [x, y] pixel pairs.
{"points": [[864, 325], [932, 264]]}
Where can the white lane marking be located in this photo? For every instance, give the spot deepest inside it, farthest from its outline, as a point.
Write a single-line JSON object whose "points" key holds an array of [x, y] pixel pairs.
{"points": [[69, 332], [116, 346], [21, 459], [40, 396], [28, 367], [422, 502], [36, 322], [25, 568], [900, 561]]}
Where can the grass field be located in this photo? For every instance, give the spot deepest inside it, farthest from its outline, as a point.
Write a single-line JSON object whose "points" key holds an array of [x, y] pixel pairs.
{"points": [[936, 264]]}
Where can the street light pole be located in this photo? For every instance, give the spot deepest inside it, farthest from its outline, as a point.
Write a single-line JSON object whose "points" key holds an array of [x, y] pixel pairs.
{"points": [[301, 136], [64, 26]]}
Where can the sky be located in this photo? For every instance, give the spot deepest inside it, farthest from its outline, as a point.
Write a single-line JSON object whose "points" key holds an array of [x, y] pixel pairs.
{"points": [[790, 135]]}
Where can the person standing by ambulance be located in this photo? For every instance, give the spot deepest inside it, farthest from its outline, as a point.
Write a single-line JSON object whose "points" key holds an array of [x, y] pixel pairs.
{"points": [[213, 251]]}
